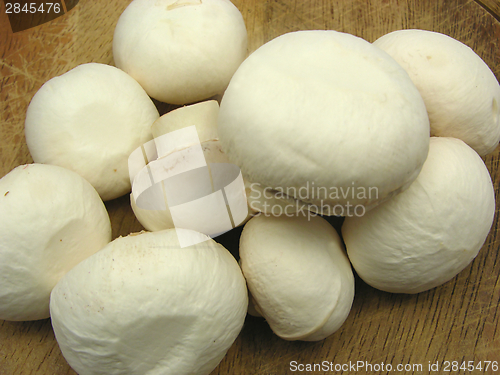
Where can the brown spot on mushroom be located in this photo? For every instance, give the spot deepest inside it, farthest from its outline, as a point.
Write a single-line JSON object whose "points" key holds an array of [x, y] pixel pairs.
{"points": [[7, 192], [494, 110], [114, 169], [137, 233], [181, 3]]}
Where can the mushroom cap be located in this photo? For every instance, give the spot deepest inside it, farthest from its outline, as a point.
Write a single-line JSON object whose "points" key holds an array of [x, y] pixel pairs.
{"points": [[180, 51], [298, 275], [50, 220], [461, 93], [144, 305], [321, 110], [202, 115], [196, 181], [89, 120], [426, 235], [158, 219]]}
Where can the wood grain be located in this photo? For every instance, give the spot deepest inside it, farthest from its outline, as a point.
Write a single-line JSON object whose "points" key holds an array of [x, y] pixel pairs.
{"points": [[458, 321]]}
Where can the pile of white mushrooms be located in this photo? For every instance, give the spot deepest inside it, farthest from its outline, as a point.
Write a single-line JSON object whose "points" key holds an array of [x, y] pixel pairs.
{"points": [[388, 134]]}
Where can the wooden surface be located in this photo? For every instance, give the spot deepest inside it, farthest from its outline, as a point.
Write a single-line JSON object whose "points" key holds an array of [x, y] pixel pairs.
{"points": [[458, 321]]}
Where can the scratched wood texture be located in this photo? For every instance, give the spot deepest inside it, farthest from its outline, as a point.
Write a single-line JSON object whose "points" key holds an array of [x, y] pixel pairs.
{"points": [[458, 321]]}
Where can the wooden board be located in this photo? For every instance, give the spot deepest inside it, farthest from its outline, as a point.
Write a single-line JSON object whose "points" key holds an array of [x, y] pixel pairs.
{"points": [[458, 321]]}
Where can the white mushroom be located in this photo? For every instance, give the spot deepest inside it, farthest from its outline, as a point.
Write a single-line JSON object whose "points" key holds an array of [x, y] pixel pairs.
{"points": [[89, 120], [144, 305], [426, 235], [154, 216], [461, 93], [153, 206], [50, 220], [202, 115], [298, 275], [180, 51], [325, 118]]}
